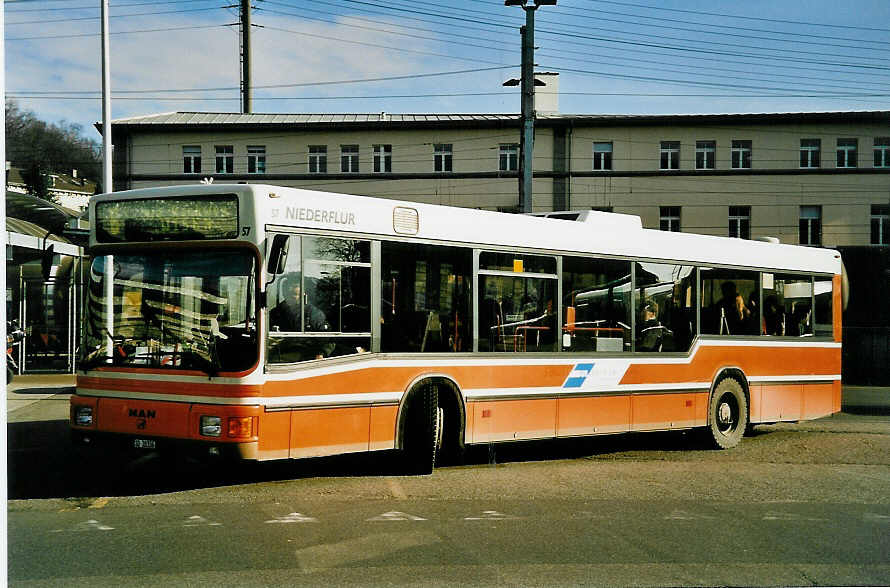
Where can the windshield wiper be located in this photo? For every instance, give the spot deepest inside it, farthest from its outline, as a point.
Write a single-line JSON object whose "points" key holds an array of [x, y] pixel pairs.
{"points": [[209, 364]]}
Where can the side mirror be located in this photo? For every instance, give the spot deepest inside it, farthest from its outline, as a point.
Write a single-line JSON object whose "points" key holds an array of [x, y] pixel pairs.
{"points": [[46, 262], [278, 254]]}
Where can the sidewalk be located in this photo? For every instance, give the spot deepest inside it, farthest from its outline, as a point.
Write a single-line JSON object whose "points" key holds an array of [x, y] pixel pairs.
{"points": [[25, 392]]}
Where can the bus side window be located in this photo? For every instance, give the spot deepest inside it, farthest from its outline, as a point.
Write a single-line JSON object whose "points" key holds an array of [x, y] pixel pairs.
{"points": [[425, 298], [730, 302], [319, 306], [664, 295], [597, 305]]}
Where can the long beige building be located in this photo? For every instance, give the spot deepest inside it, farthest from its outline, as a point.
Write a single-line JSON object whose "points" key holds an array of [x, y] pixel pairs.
{"points": [[818, 178]]}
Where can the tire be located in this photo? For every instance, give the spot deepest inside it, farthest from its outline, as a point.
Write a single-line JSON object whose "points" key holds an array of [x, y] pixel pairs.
{"points": [[423, 435], [727, 414]]}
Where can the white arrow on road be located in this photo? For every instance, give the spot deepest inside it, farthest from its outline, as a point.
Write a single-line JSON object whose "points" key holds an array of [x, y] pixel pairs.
{"points": [[490, 515], [395, 515], [294, 517]]}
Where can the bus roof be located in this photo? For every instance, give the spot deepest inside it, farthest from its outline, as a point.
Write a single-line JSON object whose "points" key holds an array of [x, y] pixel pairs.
{"points": [[602, 233]]}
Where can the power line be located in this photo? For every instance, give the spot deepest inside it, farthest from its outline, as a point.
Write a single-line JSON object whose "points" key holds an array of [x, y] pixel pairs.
{"points": [[28, 22], [95, 7], [586, 16], [80, 35], [741, 17]]}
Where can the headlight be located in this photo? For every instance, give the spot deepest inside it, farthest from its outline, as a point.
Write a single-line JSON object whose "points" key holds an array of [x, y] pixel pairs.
{"points": [[211, 426], [83, 416]]}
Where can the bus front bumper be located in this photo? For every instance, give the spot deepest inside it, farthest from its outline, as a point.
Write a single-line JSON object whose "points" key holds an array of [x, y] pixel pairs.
{"points": [[127, 444]]}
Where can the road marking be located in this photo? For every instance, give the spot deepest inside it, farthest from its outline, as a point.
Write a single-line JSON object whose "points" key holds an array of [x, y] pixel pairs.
{"points": [[589, 514], [490, 515], [788, 516], [90, 525], [320, 557], [682, 515], [196, 521], [294, 517], [395, 515]]}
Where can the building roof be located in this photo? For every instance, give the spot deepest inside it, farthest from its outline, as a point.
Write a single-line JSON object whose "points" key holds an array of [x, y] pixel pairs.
{"points": [[37, 211], [57, 182], [23, 227], [179, 120]]}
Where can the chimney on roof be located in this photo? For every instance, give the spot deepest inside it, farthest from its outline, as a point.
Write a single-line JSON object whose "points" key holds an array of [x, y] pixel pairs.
{"points": [[546, 96]]}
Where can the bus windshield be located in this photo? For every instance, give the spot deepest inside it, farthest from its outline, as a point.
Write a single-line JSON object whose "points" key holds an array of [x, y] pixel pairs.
{"points": [[172, 310]]}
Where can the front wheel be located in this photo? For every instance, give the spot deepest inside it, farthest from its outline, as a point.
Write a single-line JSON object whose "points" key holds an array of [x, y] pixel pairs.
{"points": [[423, 434], [727, 414]]}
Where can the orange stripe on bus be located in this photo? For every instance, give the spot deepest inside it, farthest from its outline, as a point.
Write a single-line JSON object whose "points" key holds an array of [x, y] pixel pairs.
{"points": [[392, 379], [753, 361], [171, 387]]}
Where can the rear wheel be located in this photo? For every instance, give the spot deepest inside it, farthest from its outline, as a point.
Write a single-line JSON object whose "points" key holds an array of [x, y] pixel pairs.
{"points": [[727, 414], [423, 433]]}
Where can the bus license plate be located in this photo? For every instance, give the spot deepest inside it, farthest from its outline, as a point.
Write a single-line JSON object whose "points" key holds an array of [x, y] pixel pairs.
{"points": [[144, 443]]}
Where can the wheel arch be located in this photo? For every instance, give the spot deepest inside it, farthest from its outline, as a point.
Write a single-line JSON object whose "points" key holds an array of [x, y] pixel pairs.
{"points": [[738, 375], [451, 399]]}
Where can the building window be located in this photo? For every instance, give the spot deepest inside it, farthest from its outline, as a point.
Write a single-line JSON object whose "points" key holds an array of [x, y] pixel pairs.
{"points": [[349, 159], [256, 159], [602, 156], [880, 224], [382, 159], [741, 155], [669, 218], [810, 150], [705, 154], [318, 159], [846, 152], [442, 157], [225, 159], [810, 225], [740, 222], [191, 159], [508, 157], [670, 155], [882, 151]]}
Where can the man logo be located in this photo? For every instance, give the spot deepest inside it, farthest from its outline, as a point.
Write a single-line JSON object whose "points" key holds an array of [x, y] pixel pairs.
{"points": [[141, 413], [578, 375], [143, 416]]}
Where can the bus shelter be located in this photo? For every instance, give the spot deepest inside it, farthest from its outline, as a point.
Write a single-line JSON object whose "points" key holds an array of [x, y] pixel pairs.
{"points": [[45, 302]]}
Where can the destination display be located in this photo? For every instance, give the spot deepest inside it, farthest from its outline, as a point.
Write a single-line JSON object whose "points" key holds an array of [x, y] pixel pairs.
{"points": [[180, 218]]}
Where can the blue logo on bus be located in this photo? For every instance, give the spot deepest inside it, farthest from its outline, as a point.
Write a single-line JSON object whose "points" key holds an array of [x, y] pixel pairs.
{"points": [[578, 375]]}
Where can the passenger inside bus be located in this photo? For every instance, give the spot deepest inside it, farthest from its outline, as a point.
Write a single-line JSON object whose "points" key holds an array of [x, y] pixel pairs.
{"points": [[773, 317], [734, 314], [800, 319], [650, 332], [286, 316]]}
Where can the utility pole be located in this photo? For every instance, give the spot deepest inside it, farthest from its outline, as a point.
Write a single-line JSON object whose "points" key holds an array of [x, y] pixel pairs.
{"points": [[246, 98], [107, 184], [527, 141], [107, 180]]}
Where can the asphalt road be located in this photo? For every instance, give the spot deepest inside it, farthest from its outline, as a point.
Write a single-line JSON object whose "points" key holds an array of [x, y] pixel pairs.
{"points": [[794, 504]]}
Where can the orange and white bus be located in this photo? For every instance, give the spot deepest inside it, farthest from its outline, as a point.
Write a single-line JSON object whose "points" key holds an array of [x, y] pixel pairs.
{"points": [[271, 323]]}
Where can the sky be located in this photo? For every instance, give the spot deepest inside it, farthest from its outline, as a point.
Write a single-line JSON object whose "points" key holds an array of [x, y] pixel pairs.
{"points": [[416, 56]]}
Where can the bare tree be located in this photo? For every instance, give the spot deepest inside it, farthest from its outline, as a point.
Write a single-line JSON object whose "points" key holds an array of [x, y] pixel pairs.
{"points": [[39, 148]]}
